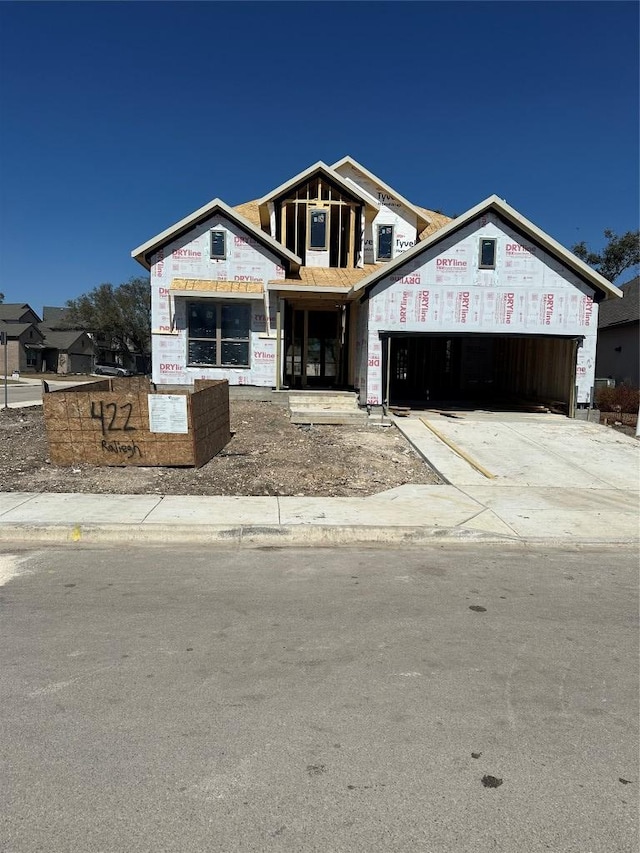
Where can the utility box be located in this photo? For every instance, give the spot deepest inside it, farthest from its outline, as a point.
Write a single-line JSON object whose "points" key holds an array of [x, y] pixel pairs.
{"points": [[132, 422]]}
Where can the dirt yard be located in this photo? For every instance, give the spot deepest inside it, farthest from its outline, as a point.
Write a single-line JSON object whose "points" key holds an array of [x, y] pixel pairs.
{"points": [[620, 421], [268, 455]]}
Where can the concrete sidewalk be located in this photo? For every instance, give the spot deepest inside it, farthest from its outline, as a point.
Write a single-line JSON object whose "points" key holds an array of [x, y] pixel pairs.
{"points": [[409, 514]]}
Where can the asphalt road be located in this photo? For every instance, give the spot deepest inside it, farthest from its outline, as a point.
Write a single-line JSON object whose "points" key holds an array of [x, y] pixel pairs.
{"points": [[318, 700], [31, 393]]}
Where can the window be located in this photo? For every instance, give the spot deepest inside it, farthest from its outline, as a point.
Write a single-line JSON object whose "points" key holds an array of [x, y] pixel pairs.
{"points": [[318, 228], [218, 245], [385, 242], [487, 254], [219, 334]]}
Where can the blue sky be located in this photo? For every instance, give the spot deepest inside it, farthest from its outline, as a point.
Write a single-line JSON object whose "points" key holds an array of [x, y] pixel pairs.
{"points": [[118, 119]]}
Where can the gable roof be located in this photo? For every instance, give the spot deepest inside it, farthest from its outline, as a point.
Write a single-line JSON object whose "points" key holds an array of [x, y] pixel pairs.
{"points": [[511, 215], [348, 187], [13, 311], [423, 221], [14, 330], [61, 340], [615, 312], [143, 252]]}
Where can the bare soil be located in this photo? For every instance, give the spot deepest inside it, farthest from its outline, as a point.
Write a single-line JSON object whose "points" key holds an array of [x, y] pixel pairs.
{"points": [[268, 455], [620, 421]]}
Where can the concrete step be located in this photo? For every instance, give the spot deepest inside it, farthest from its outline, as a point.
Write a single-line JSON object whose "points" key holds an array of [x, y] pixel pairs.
{"points": [[335, 400], [339, 417], [326, 407]]}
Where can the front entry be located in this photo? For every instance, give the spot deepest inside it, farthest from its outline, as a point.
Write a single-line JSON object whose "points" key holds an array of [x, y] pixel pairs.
{"points": [[313, 347]]}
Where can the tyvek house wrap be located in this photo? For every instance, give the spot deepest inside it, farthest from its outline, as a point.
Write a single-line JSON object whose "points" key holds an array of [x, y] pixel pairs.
{"points": [[391, 212], [188, 257], [443, 290]]}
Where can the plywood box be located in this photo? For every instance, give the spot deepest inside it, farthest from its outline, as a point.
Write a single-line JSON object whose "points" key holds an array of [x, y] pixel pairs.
{"points": [[124, 422]]}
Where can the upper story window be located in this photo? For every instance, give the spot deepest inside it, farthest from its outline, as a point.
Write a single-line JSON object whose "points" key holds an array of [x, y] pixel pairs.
{"points": [[385, 243], [487, 260], [318, 228], [218, 245]]}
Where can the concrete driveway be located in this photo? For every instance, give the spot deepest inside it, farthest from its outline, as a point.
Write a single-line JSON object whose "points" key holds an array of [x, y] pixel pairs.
{"points": [[540, 474]]}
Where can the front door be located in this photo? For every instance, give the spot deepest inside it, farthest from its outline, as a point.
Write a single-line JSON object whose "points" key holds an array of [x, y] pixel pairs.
{"points": [[313, 347]]}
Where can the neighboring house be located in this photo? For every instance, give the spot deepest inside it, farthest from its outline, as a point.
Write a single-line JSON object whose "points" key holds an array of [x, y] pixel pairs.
{"points": [[334, 279], [66, 351], [103, 350], [24, 340], [24, 347], [34, 346], [618, 355]]}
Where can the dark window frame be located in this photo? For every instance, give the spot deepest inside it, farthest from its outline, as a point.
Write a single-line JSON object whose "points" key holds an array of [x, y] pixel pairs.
{"points": [[219, 257], [494, 242], [380, 257], [326, 211], [218, 339]]}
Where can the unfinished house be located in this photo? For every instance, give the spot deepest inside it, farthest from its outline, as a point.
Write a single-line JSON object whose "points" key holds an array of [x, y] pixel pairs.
{"points": [[334, 280]]}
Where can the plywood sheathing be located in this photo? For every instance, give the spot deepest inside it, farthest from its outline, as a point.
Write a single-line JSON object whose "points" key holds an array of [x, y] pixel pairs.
{"points": [[251, 211], [186, 285], [107, 423], [329, 276], [437, 221]]}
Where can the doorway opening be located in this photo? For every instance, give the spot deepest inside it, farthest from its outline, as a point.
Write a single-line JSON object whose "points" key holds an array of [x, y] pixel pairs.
{"points": [[486, 370], [314, 346]]}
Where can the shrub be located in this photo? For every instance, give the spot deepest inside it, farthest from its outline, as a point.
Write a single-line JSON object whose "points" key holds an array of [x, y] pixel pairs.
{"points": [[622, 398]]}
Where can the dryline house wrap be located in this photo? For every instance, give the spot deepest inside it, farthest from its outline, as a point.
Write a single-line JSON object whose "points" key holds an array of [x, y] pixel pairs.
{"points": [[439, 288], [334, 279]]}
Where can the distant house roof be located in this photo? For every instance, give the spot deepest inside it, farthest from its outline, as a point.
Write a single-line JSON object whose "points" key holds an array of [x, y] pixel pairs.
{"points": [[52, 315], [14, 311], [14, 330], [61, 340], [520, 223], [615, 312]]}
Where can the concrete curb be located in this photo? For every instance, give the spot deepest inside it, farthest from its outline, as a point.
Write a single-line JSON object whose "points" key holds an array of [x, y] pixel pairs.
{"points": [[294, 535]]}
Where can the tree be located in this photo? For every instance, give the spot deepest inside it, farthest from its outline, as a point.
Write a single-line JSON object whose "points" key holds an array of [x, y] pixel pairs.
{"points": [[619, 254], [120, 315], [1, 297]]}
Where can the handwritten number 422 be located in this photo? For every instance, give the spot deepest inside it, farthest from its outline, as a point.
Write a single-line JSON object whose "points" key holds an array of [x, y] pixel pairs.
{"points": [[107, 414]]}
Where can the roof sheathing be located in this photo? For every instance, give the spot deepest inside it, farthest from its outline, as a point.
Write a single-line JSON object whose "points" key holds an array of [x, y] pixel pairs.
{"points": [[143, 252], [520, 223]]}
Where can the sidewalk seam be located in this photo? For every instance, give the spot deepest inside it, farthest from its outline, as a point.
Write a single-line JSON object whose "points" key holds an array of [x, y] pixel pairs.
{"points": [[153, 508], [25, 501], [515, 533]]}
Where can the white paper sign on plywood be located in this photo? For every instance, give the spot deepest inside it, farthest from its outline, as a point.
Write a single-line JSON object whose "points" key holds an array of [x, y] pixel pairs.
{"points": [[168, 413]]}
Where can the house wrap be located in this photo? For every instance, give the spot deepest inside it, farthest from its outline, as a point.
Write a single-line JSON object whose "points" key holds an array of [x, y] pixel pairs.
{"points": [[336, 280]]}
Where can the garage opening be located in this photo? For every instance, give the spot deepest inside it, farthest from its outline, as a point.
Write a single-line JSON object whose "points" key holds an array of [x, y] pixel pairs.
{"points": [[481, 370]]}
